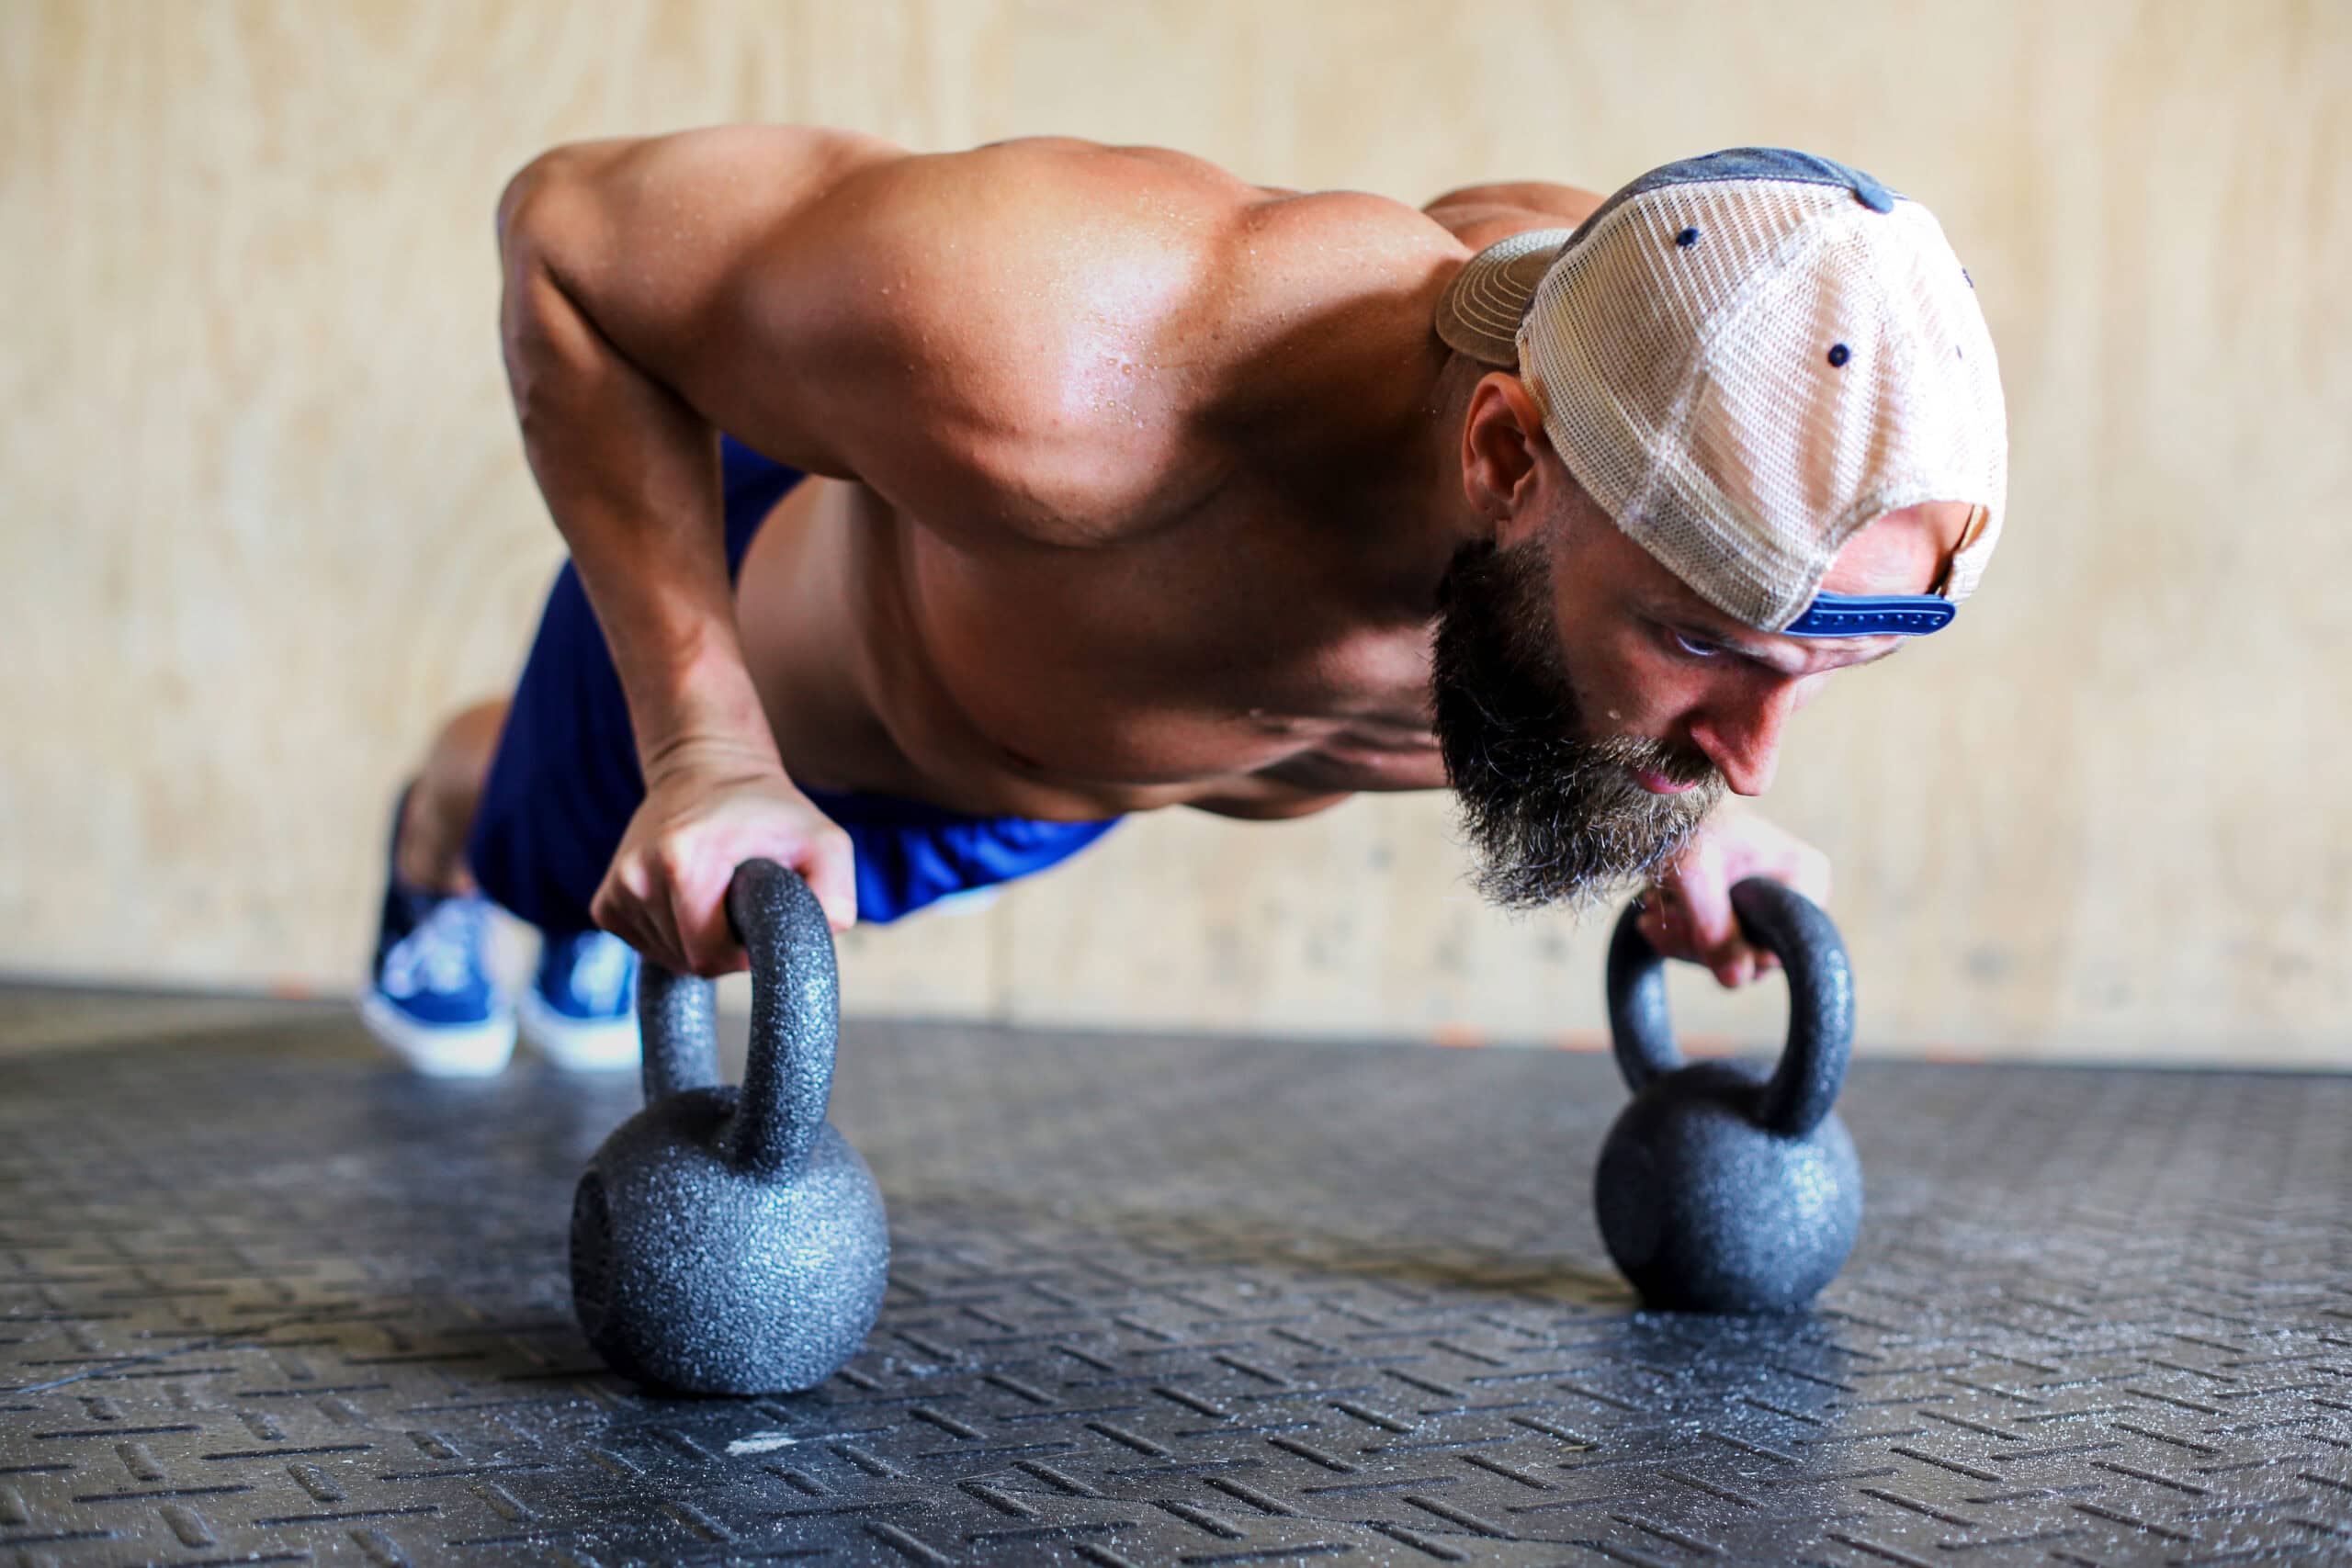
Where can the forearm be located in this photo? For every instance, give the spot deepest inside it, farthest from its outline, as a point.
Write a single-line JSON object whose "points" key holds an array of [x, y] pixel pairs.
{"points": [[631, 473], [1569, 204]]}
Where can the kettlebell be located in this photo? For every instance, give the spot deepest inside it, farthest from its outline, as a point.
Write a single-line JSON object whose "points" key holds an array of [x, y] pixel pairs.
{"points": [[1724, 1187], [728, 1241]]}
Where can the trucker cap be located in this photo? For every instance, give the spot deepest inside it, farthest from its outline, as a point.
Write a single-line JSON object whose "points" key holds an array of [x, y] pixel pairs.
{"points": [[1746, 358]]}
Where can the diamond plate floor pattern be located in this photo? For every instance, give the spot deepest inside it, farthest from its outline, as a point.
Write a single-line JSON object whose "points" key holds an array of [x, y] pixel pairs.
{"points": [[1168, 1301]]}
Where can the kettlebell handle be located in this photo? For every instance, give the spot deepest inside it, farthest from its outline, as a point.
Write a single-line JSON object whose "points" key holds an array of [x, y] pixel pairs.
{"points": [[795, 1021], [1821, 1003]]}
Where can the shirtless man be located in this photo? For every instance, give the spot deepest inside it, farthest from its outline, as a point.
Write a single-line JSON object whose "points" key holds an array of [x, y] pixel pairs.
{"points": [[1064, 482]]}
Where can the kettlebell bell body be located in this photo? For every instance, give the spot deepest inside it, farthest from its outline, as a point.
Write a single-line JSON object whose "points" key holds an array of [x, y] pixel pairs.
{"points": [[730, 1240], [1725, 1186]]}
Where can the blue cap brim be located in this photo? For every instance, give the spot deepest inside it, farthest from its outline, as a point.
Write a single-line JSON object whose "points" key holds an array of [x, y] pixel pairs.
{"points": [[1872, 615]]}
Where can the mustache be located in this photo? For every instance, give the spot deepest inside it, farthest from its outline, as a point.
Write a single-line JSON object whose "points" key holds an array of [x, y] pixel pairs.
{"points": [[1517, 756], [1677, 764], [1559, 821]]}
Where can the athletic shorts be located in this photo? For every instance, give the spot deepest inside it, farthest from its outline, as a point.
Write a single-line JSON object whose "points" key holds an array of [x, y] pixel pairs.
{"points": [[566, 780]]}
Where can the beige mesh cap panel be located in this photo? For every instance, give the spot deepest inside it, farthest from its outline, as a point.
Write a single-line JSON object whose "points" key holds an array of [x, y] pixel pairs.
{"points": [[1746, 360]]}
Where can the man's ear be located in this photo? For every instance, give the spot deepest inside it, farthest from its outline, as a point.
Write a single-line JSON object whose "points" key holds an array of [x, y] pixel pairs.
{"points": [[1502, 436]]}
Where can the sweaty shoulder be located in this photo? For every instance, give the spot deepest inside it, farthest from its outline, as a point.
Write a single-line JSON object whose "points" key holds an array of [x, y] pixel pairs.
{"points": [[1091, 323], [1030, 314], [1042, 339]]}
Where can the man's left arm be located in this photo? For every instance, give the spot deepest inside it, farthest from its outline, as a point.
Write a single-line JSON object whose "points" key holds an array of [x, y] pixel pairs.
{"points": [[1481, 214]]}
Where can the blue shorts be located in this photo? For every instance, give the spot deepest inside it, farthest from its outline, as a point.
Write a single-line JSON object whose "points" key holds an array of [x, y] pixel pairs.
{"points": [[566, 780]]}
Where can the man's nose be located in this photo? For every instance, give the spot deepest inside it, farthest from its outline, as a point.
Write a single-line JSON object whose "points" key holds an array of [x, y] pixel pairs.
{"points": [[1743, 739]]}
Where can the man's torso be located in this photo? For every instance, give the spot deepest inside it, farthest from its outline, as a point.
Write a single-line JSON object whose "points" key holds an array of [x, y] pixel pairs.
{"points": [[1232, 613]]}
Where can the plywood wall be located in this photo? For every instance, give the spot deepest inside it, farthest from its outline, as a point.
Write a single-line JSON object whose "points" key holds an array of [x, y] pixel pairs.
{"points": [[263, 514]]}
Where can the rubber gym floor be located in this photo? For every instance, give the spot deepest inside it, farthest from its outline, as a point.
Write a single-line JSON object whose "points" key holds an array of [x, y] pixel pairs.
{"points": [[265, 1299]]}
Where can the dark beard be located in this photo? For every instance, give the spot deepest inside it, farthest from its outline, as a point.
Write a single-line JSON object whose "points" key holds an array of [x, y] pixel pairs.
{"points": [[1553, 818]]}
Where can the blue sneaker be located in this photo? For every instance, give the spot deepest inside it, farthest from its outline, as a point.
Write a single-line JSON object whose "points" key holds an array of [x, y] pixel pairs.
{"points": [[431, 1000], [581, 1011]]}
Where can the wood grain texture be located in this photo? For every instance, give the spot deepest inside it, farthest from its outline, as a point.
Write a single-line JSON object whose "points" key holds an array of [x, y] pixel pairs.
{"points": [[266, 516]]}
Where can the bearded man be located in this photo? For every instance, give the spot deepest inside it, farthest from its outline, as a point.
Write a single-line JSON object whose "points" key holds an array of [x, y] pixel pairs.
{"points": [[930, 514]]}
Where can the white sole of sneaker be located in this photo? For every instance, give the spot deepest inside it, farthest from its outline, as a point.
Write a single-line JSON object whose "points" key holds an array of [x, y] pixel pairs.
{"points": [[606, 1047], [473, 1051]]}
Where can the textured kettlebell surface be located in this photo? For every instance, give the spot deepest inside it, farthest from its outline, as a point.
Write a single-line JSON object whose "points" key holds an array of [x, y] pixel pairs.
{"points": [[1702, 1207], [697, 1276], [1158, 1300]]}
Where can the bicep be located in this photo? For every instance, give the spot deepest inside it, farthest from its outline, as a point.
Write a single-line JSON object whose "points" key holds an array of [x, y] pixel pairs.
{"points": [[1570, 203]]}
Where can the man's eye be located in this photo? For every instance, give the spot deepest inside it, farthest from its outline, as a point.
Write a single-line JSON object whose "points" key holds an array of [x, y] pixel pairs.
{"points": [[1695, 648]]}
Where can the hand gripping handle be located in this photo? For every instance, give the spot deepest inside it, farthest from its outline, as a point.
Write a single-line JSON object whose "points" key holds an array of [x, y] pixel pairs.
{"points": [[795, 1021], [1821, 1004]]}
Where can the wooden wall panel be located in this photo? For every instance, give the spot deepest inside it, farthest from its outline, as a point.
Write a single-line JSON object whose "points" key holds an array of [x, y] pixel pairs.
{"points": [[265, 517]]}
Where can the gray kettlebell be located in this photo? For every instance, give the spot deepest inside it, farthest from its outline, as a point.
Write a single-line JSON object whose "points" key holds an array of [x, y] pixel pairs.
{"points": [[1724, 1187], [727, 1241]]}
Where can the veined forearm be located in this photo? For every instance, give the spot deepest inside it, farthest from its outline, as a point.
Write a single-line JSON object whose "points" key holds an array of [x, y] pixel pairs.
{"points": [[631, 473]]}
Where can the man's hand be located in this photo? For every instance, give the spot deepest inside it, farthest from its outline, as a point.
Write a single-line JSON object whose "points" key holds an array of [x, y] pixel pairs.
{"points": [[1688, 912], [708, 809]]}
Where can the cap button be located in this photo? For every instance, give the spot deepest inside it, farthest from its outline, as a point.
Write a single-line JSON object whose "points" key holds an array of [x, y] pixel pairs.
{"points": [[1870, 193]]}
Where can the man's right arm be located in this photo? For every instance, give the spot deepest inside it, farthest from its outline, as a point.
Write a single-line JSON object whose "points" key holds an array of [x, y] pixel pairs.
{"points": [[950, 329], [627, 324]]}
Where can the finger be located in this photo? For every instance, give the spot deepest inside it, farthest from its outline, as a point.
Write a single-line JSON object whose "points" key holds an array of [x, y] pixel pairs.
{"points": [[696, 911], [1651, 922], [829, 864], [707, 944], [645, 907], [611, 919], [659, 938], [1673, 926], [615, 908], [1711, 927]]}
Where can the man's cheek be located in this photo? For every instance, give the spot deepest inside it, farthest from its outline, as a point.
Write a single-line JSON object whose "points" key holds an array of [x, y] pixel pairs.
{"points": [[1628, 706]]}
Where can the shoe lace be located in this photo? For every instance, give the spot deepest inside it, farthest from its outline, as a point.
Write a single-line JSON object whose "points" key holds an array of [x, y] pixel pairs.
{"points": [[602, 967], [441, 955]]}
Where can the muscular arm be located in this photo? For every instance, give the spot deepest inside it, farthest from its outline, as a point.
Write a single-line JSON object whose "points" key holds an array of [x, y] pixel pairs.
{"points": [[1250, 808], [1481, 214], [624, 266], [957, 330]]}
